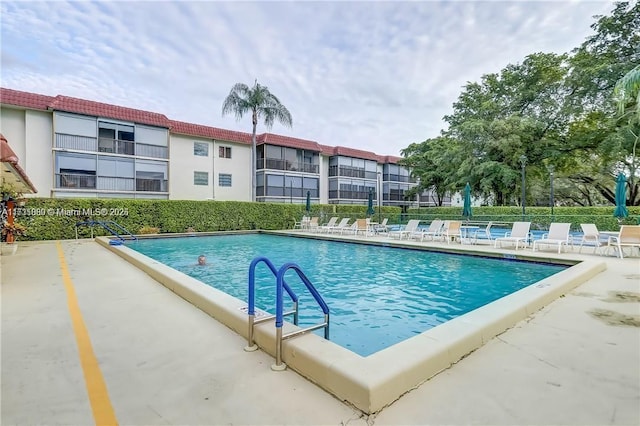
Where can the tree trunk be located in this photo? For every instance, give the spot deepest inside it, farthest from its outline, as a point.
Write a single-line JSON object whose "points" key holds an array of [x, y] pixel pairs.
{"points": [[253, 157]]}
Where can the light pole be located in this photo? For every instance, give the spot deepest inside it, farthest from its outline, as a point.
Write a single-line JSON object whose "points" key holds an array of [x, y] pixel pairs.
{"points": [[551, 199], [523, 161]]}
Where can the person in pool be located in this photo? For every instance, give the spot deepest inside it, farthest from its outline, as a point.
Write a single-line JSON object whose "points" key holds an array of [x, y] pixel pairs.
{"points": [[202, 260]]}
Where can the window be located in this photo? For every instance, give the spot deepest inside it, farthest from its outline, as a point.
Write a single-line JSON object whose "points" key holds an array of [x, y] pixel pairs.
{"points": [[201, 149], [224, 179], [224, 152], [201, 178]]}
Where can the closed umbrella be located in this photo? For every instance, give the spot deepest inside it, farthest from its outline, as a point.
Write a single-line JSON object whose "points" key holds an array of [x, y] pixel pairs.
{"points": [[621, 197], [308, 207], [466, 210], [370, 210]]}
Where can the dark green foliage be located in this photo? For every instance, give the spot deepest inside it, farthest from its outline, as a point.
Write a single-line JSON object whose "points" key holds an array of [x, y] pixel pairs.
{"points": [[55, 219]]}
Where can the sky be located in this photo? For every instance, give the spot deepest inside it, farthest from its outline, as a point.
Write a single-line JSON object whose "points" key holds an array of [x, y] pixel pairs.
{"points": [[369, 75]]}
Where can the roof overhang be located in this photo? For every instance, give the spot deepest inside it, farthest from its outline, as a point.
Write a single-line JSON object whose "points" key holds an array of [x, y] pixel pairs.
{"points": [[12, 173]]}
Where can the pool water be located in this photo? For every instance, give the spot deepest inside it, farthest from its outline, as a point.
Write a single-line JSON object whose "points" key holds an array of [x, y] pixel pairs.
{"points": [[377, 296]]}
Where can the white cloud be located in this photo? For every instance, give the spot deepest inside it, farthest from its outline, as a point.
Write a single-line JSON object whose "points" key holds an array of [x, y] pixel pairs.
{"points": [[369, 75]]}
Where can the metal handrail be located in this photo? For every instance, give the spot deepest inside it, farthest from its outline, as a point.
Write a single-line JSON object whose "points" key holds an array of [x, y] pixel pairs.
{"points": [[251, 310], [279, 311], [104, 224]]}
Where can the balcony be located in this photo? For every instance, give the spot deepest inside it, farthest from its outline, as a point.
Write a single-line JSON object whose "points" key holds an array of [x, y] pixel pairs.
{"points": [[151, 185], [115, 183], [77, 181], [279, 164], [111, 146]]}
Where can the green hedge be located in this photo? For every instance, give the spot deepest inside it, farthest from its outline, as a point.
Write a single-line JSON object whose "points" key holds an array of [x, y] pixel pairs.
{"points": [[540, 217], [56, 218]]}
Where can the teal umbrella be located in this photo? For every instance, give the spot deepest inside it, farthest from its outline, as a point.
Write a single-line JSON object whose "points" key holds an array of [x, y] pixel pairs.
{"points": [[466, 210], [370, 210], [308, 208], [621, 197]]}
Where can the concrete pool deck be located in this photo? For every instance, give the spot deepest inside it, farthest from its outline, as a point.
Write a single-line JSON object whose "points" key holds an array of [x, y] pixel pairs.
{"points": [[166, 362]]}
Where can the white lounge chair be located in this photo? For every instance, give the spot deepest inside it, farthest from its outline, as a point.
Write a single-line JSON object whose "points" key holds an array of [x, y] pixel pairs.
{"points": [[519, 233], [301, 224], [434, 230], [381, 227], [629, 237], [408, 229], [558, 235], [590, 235], [327, 227], [360, 226], [344, 224]]}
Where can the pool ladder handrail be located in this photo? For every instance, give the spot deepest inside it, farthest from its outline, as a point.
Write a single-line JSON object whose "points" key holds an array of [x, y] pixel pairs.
{"points": [[280, 285], [105, 225], [251, 309]]}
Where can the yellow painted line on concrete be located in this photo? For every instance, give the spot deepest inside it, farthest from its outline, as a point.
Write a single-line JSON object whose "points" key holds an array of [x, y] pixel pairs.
{"points": [[103, 413]]}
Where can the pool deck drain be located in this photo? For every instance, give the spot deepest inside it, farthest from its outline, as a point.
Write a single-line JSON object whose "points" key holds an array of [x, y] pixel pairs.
{"points": [[165, 362]]}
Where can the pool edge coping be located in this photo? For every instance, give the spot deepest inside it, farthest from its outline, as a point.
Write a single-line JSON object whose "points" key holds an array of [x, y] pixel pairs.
{"points": [[372, 383]]}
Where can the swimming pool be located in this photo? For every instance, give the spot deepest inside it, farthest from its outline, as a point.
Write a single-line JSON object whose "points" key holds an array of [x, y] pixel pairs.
{"points": [[378, 296], [372, 382]]}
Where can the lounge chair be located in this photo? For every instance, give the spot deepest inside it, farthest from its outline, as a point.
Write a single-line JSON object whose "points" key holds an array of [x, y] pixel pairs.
{"points": [[312, 225], [381, 227], [360, 226], [558, 235], [434, 230], [629, 237], [407, 231], [327, 227], [590, 234], [302, 223], [482, 234], [519, 233], [344, 223], [452, 231]]}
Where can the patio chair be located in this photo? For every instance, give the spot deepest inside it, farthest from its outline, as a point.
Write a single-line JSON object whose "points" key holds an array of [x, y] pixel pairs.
{"points": [[327, 227], [408, 229], [452, 231], [302, 223], [312, 225], [558, 235], [434, 230], [482, 234], [519, 233], [360, 226], [629, 237], [344, 223], [590, 234], [381, 227]]}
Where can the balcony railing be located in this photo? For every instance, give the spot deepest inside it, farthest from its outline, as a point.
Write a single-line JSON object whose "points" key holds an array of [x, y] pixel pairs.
{"points": [[153, 185], [113, 146], [351, 195], [116, 183], [279, 164], [73, 180], [81, 143]]}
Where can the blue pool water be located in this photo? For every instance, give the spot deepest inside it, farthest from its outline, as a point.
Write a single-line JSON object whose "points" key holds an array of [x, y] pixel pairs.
{"points": [[378, 296]]}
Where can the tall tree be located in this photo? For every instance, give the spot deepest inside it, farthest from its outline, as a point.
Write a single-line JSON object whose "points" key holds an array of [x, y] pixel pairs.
{"points": [[261, 103]]}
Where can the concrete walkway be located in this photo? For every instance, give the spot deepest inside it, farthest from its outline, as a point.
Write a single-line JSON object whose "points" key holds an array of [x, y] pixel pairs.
{"points": [[576, 362]]}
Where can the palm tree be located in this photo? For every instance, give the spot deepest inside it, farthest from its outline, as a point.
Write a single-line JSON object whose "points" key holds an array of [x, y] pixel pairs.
{"points": [[627, 90], [261, 104]]}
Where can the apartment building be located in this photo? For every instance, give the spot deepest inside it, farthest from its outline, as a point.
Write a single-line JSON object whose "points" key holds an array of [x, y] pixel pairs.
{"points": [[81, 148]]}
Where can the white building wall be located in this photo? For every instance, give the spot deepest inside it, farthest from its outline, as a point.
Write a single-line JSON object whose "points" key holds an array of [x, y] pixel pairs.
{"points": [[30, 134], [183, 163], [239, 167]]}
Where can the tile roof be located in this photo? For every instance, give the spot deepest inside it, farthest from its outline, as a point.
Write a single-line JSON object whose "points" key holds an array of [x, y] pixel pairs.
{"points": [[190, 129], [99, 109], [24, 99], [356, 153], [273, 139], [388, 159]]}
